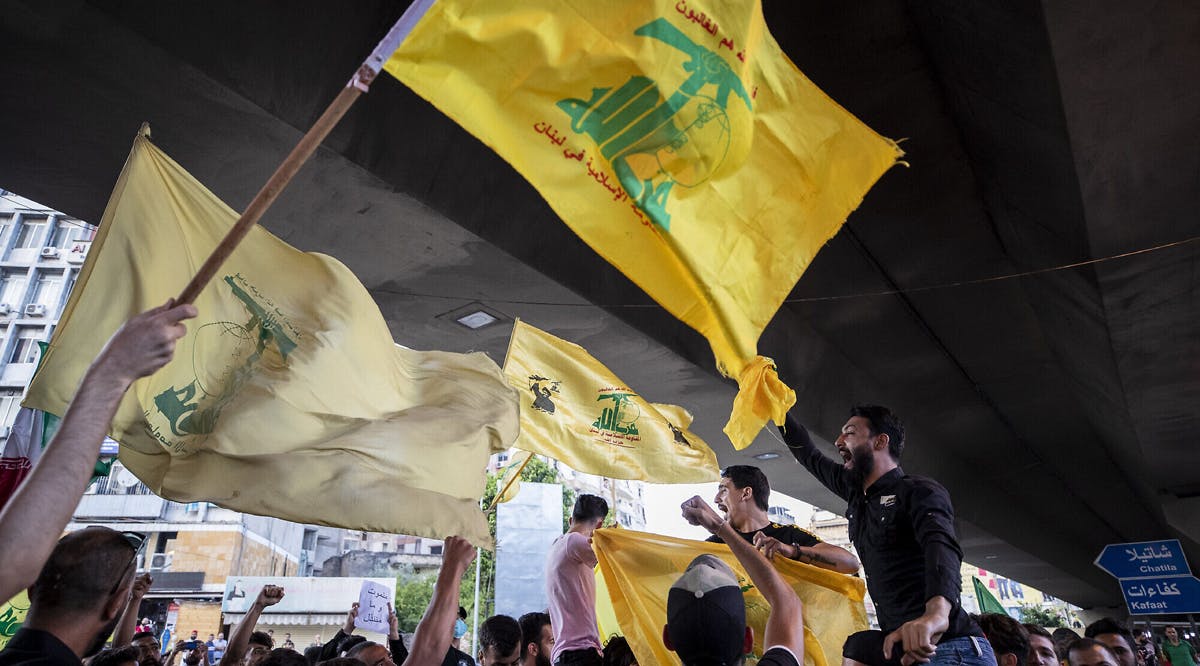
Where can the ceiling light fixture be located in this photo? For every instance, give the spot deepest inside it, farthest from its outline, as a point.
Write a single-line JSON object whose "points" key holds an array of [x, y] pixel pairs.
{"points": [[474, 316], [769, 455], [476, 319]]}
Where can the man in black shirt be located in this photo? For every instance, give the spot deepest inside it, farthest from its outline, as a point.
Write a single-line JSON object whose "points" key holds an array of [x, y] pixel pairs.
{"points": [[743, 495], [76, 600], [706, 612], [903, 529]]}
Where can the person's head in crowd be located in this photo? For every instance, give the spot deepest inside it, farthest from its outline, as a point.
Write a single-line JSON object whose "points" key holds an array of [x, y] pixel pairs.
{"points": [[588, 514], [195, 635], [348, 643], [283, 657], [83, 587], [743, 490], [148, 648], [500, 638], [462, 613], [1041, 647], [211, 637], [537, 639], [618, 653], [370, 653], [1010, 640], [258, 647], [1116, 637], [1063, 637], [126, 656], [1172, 634], [871, 437], [312, 653], [706, 615], [1090, 652], [271, 633], [196, 656]]}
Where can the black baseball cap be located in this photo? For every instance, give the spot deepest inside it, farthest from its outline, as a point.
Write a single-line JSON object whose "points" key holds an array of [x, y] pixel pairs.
{"points": [[706, 613]]}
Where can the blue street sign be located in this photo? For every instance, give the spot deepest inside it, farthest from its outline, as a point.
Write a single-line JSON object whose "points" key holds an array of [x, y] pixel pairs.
{"points": [[1150, 596], [1144, 559]]}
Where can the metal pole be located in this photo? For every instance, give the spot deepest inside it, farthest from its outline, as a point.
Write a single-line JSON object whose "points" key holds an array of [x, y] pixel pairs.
{"points": [[475, 618], [356, 86]]}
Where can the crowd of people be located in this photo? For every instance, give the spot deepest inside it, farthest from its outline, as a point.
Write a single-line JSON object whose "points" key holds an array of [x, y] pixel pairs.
{"points": [[85, 593]]}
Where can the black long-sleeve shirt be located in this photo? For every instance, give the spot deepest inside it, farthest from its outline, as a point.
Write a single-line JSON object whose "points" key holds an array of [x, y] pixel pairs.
{"points": [[903, 529]]}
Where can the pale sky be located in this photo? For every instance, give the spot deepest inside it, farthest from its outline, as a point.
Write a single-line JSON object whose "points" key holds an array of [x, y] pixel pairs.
{"points": [[663, 515]]}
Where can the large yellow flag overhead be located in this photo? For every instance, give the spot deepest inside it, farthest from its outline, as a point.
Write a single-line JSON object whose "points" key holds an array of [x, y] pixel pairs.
{"points": [[577, 411], [288, 397], [675, 137], [637, 570]]}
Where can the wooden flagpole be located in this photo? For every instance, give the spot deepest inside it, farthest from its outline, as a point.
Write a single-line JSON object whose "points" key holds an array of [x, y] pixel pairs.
{"points": [[358, 84]]}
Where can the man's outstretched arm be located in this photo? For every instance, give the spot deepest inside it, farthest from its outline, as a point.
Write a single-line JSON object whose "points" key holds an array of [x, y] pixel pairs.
{"points": [[432, 639], [39, 510], [831, 474], [785, 624], [239, 638]]}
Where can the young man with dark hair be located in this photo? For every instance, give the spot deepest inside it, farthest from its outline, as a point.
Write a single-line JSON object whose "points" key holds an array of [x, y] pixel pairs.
{"points": [[903, 529], [706, 612], [1116, 637], [499, 642], [148, 648], [1089, 652], [1179, 653], [1041, 647], [126, 656], [743, 495], [431, 642], [571, 586], [1010, 640], [537, 639], [76, 600]]}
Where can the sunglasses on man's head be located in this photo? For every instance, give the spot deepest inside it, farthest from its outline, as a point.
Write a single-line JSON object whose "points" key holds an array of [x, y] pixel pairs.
{"points": [[136, 540]]}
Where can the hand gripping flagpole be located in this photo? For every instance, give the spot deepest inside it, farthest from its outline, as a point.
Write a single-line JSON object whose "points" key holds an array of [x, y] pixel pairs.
{"points": [[358, 84]]}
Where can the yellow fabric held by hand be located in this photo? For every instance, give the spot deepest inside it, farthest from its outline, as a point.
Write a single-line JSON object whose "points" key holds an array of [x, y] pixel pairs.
{"points": [[636, 571], [675, 138], [287, 397]]}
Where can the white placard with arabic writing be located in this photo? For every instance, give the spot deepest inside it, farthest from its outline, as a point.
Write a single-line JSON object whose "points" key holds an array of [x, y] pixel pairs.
{"points": [[373, 600]]}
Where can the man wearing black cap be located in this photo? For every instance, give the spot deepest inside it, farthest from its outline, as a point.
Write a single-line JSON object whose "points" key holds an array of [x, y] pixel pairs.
{"points": [[903, 529], [706, 613]]}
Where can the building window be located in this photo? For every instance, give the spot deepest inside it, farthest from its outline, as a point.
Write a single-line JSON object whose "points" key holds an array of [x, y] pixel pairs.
{"points": [[12, 287], [5, 224], [26, 350], [10, 403], [30, 232], [64, 235], [48, 289], [435, 550]]}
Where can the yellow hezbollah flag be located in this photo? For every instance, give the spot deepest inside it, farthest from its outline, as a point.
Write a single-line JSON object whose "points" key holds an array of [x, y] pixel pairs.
{"points": [[675, 137], [577, 411], [638, 570], [288, 397]]}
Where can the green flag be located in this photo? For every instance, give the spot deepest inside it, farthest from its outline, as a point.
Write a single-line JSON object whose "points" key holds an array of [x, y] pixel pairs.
{"points": [[987, 603]]}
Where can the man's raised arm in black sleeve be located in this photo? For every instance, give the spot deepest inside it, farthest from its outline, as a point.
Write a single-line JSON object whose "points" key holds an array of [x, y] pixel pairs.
{"points": [[831, 474]]}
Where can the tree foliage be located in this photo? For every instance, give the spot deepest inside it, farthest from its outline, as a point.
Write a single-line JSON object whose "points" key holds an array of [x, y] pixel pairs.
{"points": [[1042, 617]]}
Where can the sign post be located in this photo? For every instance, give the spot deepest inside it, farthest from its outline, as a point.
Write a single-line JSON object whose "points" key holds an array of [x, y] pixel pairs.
{"points": [[1154, 576]]}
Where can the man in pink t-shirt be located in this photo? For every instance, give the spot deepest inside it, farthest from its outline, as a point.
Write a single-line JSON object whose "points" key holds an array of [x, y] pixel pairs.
{"points": [[571, 587]]}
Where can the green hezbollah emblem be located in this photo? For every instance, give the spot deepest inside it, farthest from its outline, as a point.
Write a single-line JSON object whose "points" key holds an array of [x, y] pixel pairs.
{"points": [[653, 141], [621, 416], [195, 408]]}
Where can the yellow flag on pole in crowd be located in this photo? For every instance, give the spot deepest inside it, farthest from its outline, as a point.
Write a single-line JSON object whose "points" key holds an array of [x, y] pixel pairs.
{"points": [[287, 397], [674, 137], [637, 570], [575, 410]]}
